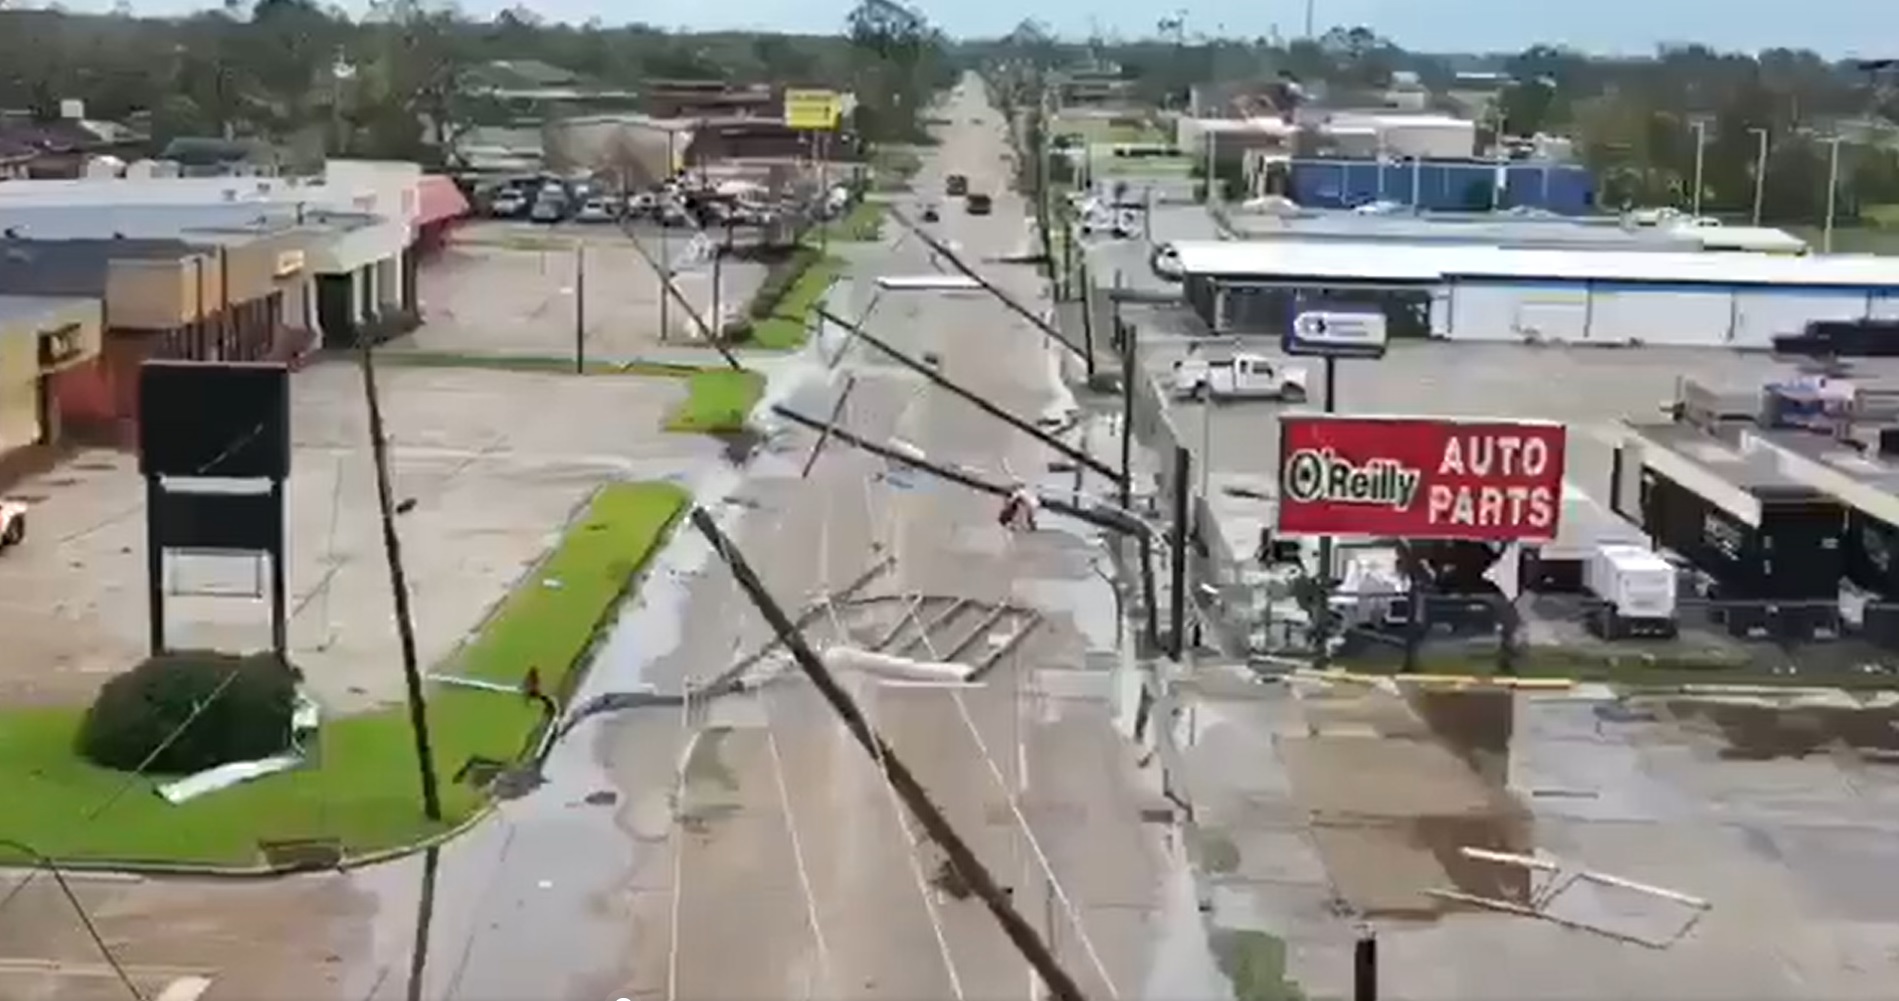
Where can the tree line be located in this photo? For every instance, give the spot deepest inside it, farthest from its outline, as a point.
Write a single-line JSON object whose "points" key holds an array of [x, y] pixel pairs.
{"points": [[403, 81], [1637, 122]]}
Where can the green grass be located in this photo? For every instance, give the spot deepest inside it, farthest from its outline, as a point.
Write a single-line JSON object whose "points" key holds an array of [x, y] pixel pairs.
{"points": [[784, 330], [864, 224], [717, 400], [363, 790]]}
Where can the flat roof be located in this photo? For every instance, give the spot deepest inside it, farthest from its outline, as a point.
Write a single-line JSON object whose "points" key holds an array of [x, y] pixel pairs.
{"points": [[18, 309], [1398, 261], [206, 222], [1719, 467], [75, 267], [1497, 230], [1865, 481]]}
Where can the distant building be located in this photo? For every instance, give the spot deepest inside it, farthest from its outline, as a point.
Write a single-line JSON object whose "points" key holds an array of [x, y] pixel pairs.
{"points": [[710, 99], [1094, 87], [528, 91], [205, 156], [62, 147]]}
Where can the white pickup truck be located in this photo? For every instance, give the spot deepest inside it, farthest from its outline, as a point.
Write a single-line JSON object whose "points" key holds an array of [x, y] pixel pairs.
{"points": [[1241, 376]]}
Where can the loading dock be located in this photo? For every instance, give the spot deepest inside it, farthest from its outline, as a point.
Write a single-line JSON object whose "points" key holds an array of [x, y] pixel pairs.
{"points": [[1769, 542]]}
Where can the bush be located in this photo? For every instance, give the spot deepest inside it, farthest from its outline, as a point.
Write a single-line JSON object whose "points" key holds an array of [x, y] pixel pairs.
{"points": [[137, 712], [779, 280]]}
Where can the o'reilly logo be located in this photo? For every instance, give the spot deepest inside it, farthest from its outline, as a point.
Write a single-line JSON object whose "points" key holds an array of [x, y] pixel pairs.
{"points": [[1315, 476]]}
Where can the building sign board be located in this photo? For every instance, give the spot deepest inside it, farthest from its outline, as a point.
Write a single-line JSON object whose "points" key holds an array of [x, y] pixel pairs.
{"points": [[288, 263], [812, 109], [1420, 477], [1339, 332]]}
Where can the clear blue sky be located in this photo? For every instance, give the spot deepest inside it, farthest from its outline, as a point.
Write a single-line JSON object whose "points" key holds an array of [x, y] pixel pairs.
{"points": [[1834, 27]]}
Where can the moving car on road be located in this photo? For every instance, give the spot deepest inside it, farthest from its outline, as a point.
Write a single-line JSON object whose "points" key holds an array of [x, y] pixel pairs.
{"points": [[957, 186], [978, 204], [1243, 376]]}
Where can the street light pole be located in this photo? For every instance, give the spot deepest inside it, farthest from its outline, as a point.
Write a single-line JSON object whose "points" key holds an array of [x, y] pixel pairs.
{"points": [[1760, 175], [1701, 157], [1832, 193], [665, 241]]}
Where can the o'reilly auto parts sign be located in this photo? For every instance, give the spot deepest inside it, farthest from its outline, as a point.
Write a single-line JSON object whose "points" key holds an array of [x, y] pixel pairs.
{"points": [[1420, 478], [1339, 332]]}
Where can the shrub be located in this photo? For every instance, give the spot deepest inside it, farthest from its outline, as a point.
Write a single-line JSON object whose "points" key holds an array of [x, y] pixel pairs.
{"points": [[139, 712], [779, 280]]}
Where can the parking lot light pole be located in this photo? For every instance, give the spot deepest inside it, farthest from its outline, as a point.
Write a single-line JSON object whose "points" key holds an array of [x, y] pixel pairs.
{"points": [[1322, 619], [580, 308]]}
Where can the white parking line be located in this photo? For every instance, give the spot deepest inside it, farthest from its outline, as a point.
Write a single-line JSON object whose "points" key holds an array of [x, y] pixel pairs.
{"points": [[184, 989]]}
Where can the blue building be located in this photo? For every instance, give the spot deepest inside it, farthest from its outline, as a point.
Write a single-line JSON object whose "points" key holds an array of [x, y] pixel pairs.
{"points": [[1442, 185]]}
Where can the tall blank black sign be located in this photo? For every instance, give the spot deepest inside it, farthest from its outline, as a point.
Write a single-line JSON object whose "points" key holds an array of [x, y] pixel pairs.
{"points": [[214, 419]]}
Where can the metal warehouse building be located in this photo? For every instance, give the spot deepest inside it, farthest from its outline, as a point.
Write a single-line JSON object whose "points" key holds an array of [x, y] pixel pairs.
{"points": [[1492, 293]]}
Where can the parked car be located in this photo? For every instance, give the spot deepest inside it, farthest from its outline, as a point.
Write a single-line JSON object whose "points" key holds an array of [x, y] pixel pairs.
{"points": [[508, 204], [551, 207], [957, 186], [1242, 376], [599, 208]]}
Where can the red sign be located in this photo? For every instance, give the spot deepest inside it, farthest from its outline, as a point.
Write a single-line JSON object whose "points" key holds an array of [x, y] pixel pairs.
{"points": [[1420, 478]]}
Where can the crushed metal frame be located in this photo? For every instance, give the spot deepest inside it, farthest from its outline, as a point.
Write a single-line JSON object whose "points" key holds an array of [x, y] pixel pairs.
{"points": [[1557, 877]]}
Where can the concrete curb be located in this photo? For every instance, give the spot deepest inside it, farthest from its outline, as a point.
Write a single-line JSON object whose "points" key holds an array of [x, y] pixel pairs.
{"points": [[133, 872], [1440, 680]]}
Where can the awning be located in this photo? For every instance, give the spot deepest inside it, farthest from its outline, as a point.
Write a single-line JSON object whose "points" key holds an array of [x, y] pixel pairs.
{"points": [[439, 200]]}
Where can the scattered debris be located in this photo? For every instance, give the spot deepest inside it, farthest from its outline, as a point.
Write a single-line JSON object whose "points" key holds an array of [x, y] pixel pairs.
{"points": [[305, 717], [602, 797], [1570, 896]]}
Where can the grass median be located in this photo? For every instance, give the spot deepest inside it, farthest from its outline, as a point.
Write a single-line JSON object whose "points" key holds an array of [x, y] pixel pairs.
{"points": [[717, 401], [787, 326], [362, 789]]}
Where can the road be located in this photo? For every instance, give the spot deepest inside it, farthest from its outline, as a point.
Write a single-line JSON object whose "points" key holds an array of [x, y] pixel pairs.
{"points": [[752, 849]]}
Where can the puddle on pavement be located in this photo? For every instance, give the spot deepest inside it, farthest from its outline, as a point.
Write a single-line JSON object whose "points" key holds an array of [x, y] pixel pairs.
{"points": [[520, 903], [1255, 963], [1757, 731], [1475, 723]]}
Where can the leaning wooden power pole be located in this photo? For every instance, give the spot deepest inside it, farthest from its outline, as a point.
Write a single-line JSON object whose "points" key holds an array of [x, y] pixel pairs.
{"points": [[1061, 986], [399, 588]]}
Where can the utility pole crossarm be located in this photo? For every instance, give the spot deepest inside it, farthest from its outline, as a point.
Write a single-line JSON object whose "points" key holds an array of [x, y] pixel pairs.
{"points": [[984, 405], [1061, 986], [936, 246]]}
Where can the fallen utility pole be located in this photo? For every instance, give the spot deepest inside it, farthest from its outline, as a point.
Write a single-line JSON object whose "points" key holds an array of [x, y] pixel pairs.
{"points": [[670, 289], [837, 413], [1109, 521], [966, 865], [936, 246], [399, 588], [941, 381]]}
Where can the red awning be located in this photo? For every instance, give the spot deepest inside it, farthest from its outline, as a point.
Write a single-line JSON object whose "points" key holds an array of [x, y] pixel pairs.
{"points": [[439, 200]]}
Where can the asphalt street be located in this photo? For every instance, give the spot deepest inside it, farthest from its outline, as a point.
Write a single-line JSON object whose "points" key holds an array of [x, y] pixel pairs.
{"points": [[752, 850]]}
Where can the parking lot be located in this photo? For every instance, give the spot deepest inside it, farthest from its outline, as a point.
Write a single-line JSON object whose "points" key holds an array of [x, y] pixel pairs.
{"points": [[493, 462], [1363, 800], [519, 288]]}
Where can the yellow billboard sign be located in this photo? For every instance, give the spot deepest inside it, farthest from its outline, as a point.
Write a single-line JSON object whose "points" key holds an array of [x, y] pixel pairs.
{"points": [[812, 109]]}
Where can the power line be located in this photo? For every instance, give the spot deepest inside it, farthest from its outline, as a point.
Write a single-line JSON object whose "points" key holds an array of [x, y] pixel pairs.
{"points": [[136, 774], [79, 908]]}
